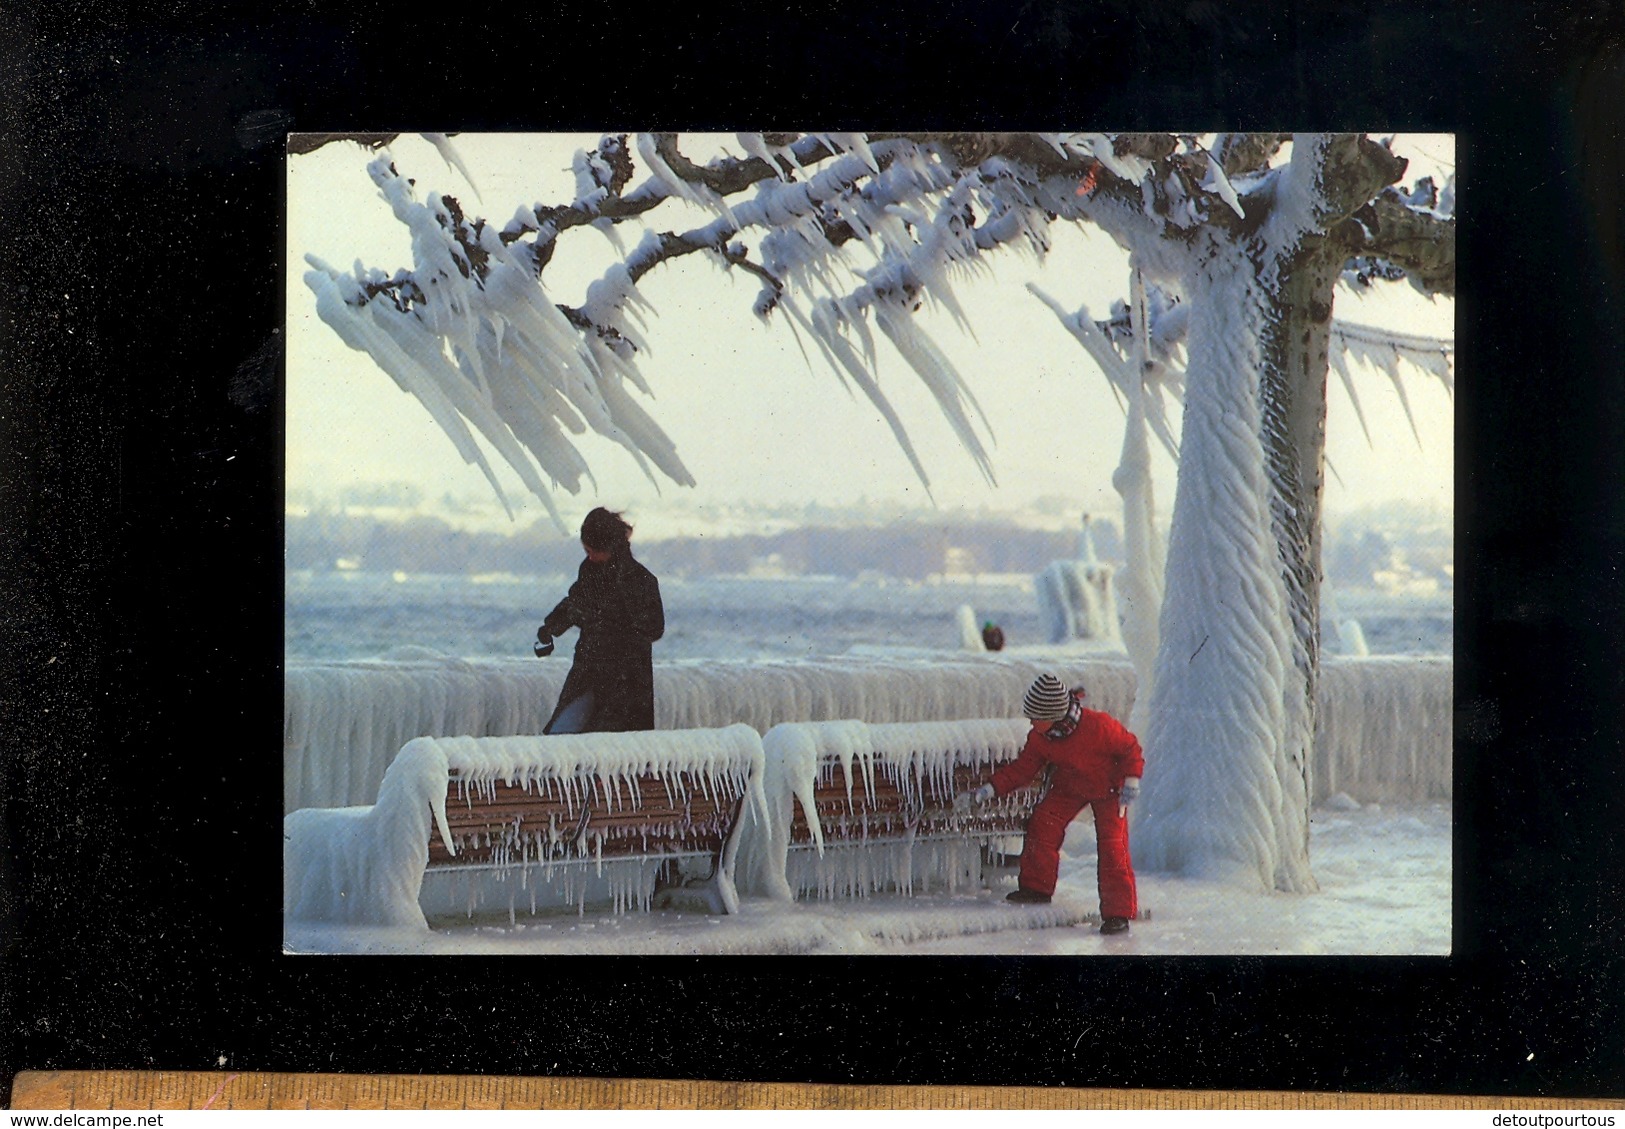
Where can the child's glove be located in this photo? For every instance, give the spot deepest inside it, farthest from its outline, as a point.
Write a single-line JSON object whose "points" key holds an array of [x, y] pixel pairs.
{"points": [[1127, 794], [967, 800]]}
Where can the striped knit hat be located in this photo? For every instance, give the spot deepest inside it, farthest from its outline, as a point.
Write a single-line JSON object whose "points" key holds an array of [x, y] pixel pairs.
{"points": [[1046, 700]]}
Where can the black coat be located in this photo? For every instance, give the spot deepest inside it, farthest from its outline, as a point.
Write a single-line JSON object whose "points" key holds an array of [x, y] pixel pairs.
{"points": [[616, 604]]}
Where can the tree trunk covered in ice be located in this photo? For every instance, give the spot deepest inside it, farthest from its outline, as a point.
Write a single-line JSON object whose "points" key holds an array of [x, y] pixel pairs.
{"points": [[1233, 706], [1223, 796], [1293, 369]]}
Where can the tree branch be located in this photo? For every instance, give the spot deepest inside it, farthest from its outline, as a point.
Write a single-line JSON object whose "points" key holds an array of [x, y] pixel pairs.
{"points": [[1355, 168], [1420, 242], [737, 255], [727, 177], [730, 176], [1147, 146], [608, 333], [310, 142], [1240, 153], [670, 246]]}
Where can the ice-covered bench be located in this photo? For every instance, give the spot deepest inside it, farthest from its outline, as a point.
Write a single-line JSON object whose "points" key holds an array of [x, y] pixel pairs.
{"points": [[855, 809], [600, 817]]}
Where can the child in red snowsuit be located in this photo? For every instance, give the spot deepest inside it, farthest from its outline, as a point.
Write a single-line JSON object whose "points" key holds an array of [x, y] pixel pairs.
{"points": [[1098, 763]]}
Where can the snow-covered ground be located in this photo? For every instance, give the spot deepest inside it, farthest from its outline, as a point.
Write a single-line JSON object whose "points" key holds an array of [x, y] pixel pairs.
{"points": [[1384, 876]]}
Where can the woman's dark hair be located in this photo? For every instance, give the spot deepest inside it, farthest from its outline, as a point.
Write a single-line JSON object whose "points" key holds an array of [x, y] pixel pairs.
{"points": [[603, 531]]}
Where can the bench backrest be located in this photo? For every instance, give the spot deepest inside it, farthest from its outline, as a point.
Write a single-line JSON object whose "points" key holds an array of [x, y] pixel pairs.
{"points": [[903, 779], [846, 784], [554, 820], [589, 796]]}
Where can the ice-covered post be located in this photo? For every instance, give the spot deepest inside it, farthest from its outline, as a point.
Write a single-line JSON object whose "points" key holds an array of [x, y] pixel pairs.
{"points": [[1141, 584]]}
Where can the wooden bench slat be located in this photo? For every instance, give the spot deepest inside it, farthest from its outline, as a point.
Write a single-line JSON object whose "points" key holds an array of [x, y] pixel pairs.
{"points": [[649, 816], [886, 810], [508, 816]]}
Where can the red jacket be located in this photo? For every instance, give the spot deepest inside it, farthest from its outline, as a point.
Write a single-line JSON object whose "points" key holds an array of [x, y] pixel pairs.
{"points": [[1090, 762]]}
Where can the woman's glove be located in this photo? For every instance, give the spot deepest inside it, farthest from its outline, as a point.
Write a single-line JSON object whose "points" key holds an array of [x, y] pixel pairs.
{"points": [[544, 643], [1127, 794]]}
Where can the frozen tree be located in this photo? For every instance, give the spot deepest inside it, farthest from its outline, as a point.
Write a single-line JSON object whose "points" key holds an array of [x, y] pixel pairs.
{"points": [[1243, 240], [1139, 350]]}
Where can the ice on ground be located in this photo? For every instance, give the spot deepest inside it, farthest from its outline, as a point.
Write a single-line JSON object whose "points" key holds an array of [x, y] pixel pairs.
{"points": [[1384, 876], [759, 928]]}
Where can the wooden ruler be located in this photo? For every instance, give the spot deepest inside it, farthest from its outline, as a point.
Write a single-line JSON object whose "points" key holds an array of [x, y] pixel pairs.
{"points": [[186, 1089]]}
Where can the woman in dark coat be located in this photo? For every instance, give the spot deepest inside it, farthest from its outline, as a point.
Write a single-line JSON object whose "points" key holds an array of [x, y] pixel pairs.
{"points": [[615, 602]]}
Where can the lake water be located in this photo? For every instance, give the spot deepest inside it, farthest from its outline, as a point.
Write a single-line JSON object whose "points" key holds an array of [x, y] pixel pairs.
{"points": [[345, 615]]}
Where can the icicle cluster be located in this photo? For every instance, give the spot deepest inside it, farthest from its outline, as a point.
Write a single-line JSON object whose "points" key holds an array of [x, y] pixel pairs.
{"points": [[1384, 350], [914, 215], [473, 335], [1162, 379], [456, 895], [1143, 578], [364, 866], [343, 722], [853, 236], [1109, 344], [1385, 729], [968, 629], [888, 818]]}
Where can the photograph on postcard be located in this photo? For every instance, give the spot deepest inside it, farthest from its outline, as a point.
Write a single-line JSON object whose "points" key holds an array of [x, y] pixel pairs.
{"points": [[844, 543]]}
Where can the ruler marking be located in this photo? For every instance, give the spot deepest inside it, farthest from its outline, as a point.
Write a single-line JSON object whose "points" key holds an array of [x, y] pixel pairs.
{"points": [[249, 1090]]}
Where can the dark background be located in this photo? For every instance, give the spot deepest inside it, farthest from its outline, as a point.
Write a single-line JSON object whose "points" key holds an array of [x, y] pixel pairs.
{"points": [[140, 220]]}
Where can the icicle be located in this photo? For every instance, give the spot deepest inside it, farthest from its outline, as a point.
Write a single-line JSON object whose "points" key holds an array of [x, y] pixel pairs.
{"points": [[1217, 181], [1340, 366], [449, 154], [824, 323], [697, 194], [368, 334], [946, 385]]}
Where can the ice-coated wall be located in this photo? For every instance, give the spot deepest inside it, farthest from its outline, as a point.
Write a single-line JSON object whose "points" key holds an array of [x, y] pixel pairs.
{"points": [[1385, 728], [344, 722], [1384, 733]]}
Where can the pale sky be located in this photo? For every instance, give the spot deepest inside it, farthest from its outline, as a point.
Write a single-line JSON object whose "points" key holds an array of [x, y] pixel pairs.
{"points": [[750, 420]]}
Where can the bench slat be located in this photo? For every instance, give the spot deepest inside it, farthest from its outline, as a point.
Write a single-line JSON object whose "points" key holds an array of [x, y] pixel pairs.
{"points": [[502, 823], [887, 811]]}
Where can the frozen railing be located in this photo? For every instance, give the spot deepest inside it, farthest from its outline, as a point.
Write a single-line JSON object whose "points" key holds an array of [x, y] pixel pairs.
{"points": [[344, 721], [1385, 729], [601, 817], [856, 809]]}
